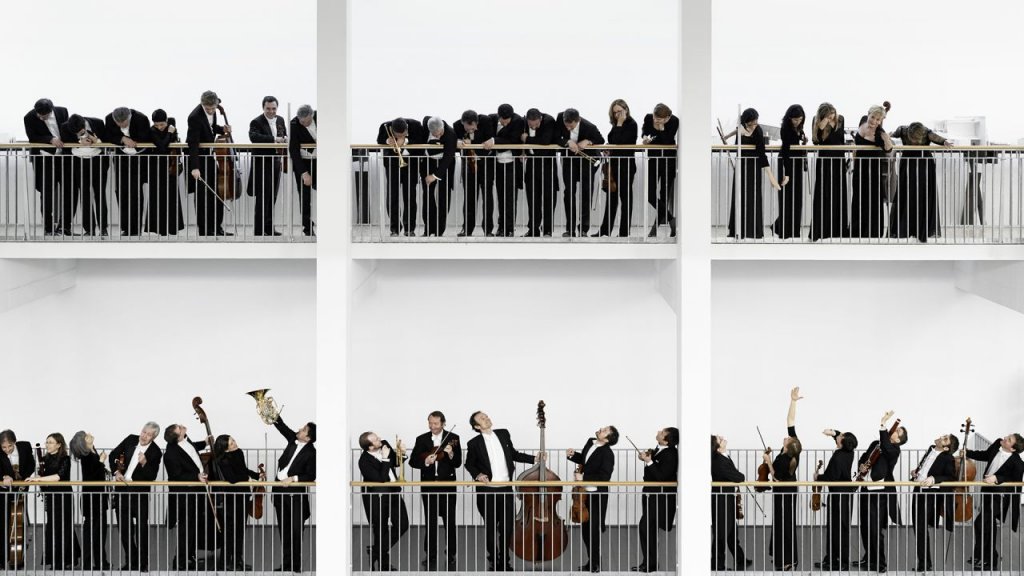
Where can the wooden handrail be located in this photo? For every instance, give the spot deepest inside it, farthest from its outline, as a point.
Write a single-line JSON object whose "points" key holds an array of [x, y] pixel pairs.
{"points": [[147, 145], [216, 484], [511, 483], [851, 147], [863, 484]]}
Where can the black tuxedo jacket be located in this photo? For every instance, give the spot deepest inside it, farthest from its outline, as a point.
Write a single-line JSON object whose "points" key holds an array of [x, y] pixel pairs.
{"points": [[546, 134], [304, 467], [484, 132], [299, 136], [449, 145], [375, 470], [147, 473], [442, 470], [162, 140], [477, 461], [138, 129], [510, 134], [942, 470], [37, 131], [232, 468], [200, 132], [417, 135], [599, 466], [261, 132], [666, 137], [1011, 471], [664, 467], [587, 132], [181, 468], [723, 470], [839, 469], [884, 469], [26, 458], [95, 125]]}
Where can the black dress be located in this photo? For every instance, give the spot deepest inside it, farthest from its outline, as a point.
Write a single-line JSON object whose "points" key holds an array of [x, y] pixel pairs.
{"points": [[870, 170], [164, 202], [829, 213], [62, 549], [784, 549], [752, 163], [94, 514], [915, 208], [623, 169], [792, 163], [234, 503], [840, 509]]}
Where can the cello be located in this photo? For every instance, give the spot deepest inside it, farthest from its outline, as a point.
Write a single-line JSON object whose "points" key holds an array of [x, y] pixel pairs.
{"points": [[16, 527], [207, 456], [229, 178], [539, 534], [966, 471]]}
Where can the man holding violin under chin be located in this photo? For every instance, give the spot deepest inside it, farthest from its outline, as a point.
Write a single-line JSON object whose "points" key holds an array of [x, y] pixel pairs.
{"points": [[437, 455]]}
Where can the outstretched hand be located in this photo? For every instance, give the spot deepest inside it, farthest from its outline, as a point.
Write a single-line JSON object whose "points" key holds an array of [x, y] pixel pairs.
{"points": [[794, 394]]}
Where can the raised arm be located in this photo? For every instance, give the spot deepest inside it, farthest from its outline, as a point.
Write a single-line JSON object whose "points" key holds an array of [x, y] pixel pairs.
{"points": [[794, 397]]}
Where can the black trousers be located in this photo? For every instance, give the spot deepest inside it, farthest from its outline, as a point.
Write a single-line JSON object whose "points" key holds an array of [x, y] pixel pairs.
{"points": [[389, 521], [506, 187], [292, 511], [306, 198], [577, 170], [873, 507], [265, 181], [497, 507], [401, 195], [56, 194], [164, 214], [130, 171], [784, 549], [233, 519], [837, 540], [193, 532], [656, 514], [986, 529], [440, 505], [723, 526], [623, 171], [61, 543], [597, 505], [209, 209], [541, 184], [438, 198], [925, 507], [94, 531], [478, 182], [661, 191], [133, 528], [88, 177]]}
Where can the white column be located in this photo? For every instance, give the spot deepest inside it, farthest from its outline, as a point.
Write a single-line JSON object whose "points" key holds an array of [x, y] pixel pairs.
{"points": [[334, 525], [693, 218]]}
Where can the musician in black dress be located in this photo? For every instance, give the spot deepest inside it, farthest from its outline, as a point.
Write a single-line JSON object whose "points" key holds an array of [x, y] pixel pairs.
{"points": [[87, 170], [61, 543], [915, 208], [140, 457], [723, 508], [229, 465], [265, 176], [508, 173], [437, 455], [291, 504], [598, 462], [16, 463], [577, 134], [540, 178], [783, 470], [931, 500], [128, 127], [399, 133], [303, 133], [440, 168], [792, 166], [660, 129], [659, 503], [622, 164], [840, 502], [1004, 465], [477, 171], [384, 507], [164, 216], [203, 128], [42, 126], [187, 506], [829, 214], [94, 501], [754, 163], [877, 504], [870, 173]]}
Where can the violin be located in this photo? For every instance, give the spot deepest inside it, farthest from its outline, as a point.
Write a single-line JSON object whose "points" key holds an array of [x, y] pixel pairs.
{"points": [[540, 534], [439, 453], [256, 502], [816, 491], [739, 507], [608, 183], [579, 512], [966, 471], [875, 454], [229, 177], [763, 471]]}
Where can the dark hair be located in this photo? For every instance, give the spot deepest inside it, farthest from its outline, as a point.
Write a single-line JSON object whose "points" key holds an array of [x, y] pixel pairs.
{"points": [[849, 441], [533, 114], [171, 434], [570, 115], [437, 414], [472, 420], [748, 115], [220, 446], [159, 115], [8, 436], [470, 117], [794, 111], [714, 444], [505, 111], [1018, 443], [954, 443], [43, 106], [312, 432], [901, 433], [662, 111], [269, 99], [613, 435], [672, 436], [399, 126], [61, 443], [75, 123], [364, 440]]}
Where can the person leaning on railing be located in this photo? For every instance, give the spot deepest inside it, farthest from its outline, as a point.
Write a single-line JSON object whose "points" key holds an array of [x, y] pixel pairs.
{"points": [[539, 177], [830, 216], [783, 469], [753, 164], [384, 507], [659, 503], [870, 174], [723, 508], [397, 134], [440, 168], [16, 462], [1004, 465], [129, 127], [840, 502], [94, 501], [877, 504], [792, 165], [577, 134], [164, 216], [508, 174], [930, 499], [140, 458], [88, 171], [303, 132], [915, 207], [660, 129], [622, 168], [42, 126], [477, 172], [61, 549]]}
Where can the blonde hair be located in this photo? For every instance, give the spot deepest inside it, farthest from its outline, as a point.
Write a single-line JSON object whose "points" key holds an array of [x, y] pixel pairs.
{"points": [[876, 111], [824, 110]]}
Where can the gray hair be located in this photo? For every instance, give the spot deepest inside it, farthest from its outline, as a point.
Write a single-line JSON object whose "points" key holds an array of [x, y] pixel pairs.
{"points": [[152, 426], [305, 111], [121, 114], [77, 445], [435, 123], [209, 98]]}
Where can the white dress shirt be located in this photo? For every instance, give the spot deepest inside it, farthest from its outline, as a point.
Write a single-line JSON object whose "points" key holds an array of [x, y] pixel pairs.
{"points": [[504, 156], [283, 473], [131, 151], [391, 471], [1001, 457], [191, 451], [134, 463], [496, 454], [574, 135], [51, 125]]}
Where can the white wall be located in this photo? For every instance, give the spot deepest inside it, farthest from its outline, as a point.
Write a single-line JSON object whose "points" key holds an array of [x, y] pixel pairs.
{"points": [[933, 59], [415, 58], [594, 340], [860, 338], [94, 56], [137, 340]]}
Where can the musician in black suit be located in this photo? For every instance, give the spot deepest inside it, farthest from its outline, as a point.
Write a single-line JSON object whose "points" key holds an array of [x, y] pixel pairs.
{"points": [[303, 132], [187, 508], [723, 508], [840, 502], [660, 129], [265, 176], [228, 465], [291, 505], [17, 463], [141, 457], [491, 457], [164, 216], [95, 527], [437, 455], [42, 126], [508, 174], [877, 504], [401, 132], [931, 500], [659, 503], [87, 167], [440, 167], [541, 180], [595, 463], [129, 127], [1004, 465], [384, 506], [477, 170], [577, 134], [203, 128]]}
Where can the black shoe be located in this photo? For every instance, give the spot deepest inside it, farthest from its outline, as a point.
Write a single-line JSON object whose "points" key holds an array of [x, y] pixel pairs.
{"points": [[530, 234], [463, 234], [583, 568], [489, 234], [654, 231], [411, 234], [643, 568], [451, 565], [394, 234], [672, 227], [566, 234], [881, 569], [598, 234], [289, 569], [861, 563]]}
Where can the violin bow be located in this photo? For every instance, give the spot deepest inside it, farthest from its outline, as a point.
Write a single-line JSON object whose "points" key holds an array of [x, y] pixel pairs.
{"points": [[212, 191], [639, 451], [446, 434]]}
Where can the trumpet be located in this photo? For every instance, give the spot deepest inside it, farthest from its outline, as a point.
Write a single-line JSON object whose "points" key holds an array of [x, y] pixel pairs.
{"points": [[268, 410], [398, 149], [588, 157]]}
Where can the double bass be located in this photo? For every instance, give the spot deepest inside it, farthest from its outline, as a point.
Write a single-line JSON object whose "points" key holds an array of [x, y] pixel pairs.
{"points": [[966, 471], [229, 177], [539, 535], [16, 526], [207, 456]]}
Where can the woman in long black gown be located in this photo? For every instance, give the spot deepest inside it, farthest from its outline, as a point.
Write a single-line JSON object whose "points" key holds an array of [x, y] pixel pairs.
{"points": [[915, 208], [792, 165], [829, 214], [753, 164], [94, 501], [783, 469], [229, 466], [870, 167], [164, 202], [61, 543]]}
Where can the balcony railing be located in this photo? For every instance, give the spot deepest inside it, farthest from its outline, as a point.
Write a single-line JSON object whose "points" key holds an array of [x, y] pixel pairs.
{"points": [[852, 195], [99, 194], [565, 197]]}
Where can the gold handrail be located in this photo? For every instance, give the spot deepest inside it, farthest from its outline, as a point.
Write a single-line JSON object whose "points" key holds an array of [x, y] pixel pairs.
{"points": [[177, 145], [851, 147], [512, 483], [160, 483], [863, 484], [519, 147]]}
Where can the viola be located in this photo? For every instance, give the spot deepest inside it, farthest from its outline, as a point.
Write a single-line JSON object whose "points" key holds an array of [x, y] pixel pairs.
{"points": [[816, 491], [256, 502], [875, 454], [579, 512], [540, 534], [963, 509]]}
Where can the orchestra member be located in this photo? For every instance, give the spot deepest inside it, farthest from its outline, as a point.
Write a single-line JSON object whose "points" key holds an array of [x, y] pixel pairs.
{"points": [[541, 180], [87, 167], [783, 470], [508, 174], [870, 173], [659, 503], [477, 170], [723, 508], [138, 459], [491, 458], [877, 504], [42, 126], [792, 165], [16, 463], [915, 208], [754, 163], [384, 506], [265, 176], [598, 462], [930, 499], [291, 504], [577, 134], [440, 167], [61, 543], [437, 456], [127, 128], [164, 215], [399, 133], [229, 465], [303, 132], [829, 212], [840, 502], [622, 166], [203, 128], [660, 129], [94, 501], [187, 507], [1004, 465]]}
